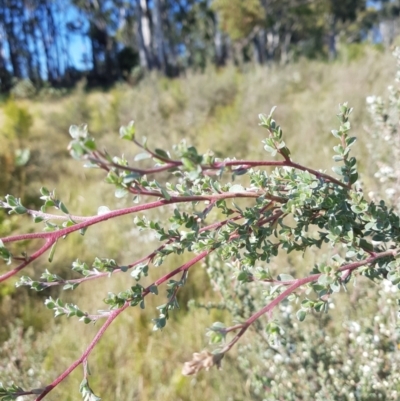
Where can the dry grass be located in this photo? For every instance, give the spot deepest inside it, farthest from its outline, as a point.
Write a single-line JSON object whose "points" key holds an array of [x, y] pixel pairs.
{"points": [[216, 110]]}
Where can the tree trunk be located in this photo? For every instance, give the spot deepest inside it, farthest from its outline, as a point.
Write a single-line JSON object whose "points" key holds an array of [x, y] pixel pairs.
{"points": [[332, 39], [25, 42], [259, 47], [144, 35], [47, 53], [5, 77], [158, 37], [12, 43], [220, 53], [272, 44], [36, 51], [387, 31], [285, 48], [53, 42], [95, 64]]}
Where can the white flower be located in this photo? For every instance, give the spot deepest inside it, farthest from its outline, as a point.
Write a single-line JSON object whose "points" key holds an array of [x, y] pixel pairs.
{"points": [[366, 369], [355, 326], [390, 192]]}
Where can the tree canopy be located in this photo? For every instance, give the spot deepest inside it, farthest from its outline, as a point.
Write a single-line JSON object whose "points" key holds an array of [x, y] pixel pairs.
{"points": [[59, 41]]}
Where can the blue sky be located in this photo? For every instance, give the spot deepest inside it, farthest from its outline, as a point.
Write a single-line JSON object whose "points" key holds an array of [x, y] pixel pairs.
{"points": [[79, 44]]}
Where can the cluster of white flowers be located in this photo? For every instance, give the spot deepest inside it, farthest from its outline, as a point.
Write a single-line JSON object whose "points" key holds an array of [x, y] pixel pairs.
{"points": [[384, 146], [360, 359]]}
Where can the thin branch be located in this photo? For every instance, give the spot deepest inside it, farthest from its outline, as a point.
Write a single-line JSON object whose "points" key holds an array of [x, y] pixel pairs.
{"points": [[139, 208], [113, 315], [296, 284], [218, 165], [48, 216], [149, 257], [48, 244]]}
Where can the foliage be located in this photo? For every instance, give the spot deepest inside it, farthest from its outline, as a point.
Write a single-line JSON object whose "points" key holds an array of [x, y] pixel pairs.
{"points": [[22, 352], [304, 92], [13, 154], [347, 354], [233, 212], [18, 121], [239, 18], [23, 89]]}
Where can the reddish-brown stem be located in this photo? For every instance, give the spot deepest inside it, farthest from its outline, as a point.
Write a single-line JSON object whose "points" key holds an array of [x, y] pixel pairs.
{"points": [[273, 218], [175, 293], [48, 244], [48, 216], [317, 174], [231, 163], [85, 355], [111, 317], [138, 208], [184, 267], [296, 284], [213, 226]]}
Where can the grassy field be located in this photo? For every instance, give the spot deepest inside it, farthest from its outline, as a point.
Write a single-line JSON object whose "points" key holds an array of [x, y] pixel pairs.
{"points": [[216, 110]]}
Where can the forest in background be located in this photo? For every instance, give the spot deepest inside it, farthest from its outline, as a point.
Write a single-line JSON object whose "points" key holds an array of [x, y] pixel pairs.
{"points": [[57, 42]]}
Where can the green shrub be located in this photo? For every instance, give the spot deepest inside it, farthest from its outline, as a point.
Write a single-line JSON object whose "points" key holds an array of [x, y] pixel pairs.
{"points": [[290, 359], [23, 89], [14, 135]]}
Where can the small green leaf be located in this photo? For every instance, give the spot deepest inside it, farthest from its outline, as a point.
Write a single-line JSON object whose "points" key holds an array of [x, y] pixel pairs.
{"points": [[188, 164], [353, 178], [22, 157], [37, 219], [337, 170], [162, 153], [285, 277], [301, 314], [5, 253], [121, 192], [50, 303], [20, 209], [236, 188], [74, 131], [154, 289], [142, 156], [63, 208], [336, 133], [165, 194], [127, 132], [70, 286], [102, 210], [52, 252]]}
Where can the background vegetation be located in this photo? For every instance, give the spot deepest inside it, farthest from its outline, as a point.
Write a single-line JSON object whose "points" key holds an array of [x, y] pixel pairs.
{"points": [[322, 358]]}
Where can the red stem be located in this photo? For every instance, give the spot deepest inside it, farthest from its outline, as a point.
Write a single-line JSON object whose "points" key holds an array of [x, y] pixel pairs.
{"points": [[144, 258], [296, 284], [113, 314], [182, 268], [84, 356], [137, 208], [49, 242]]}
